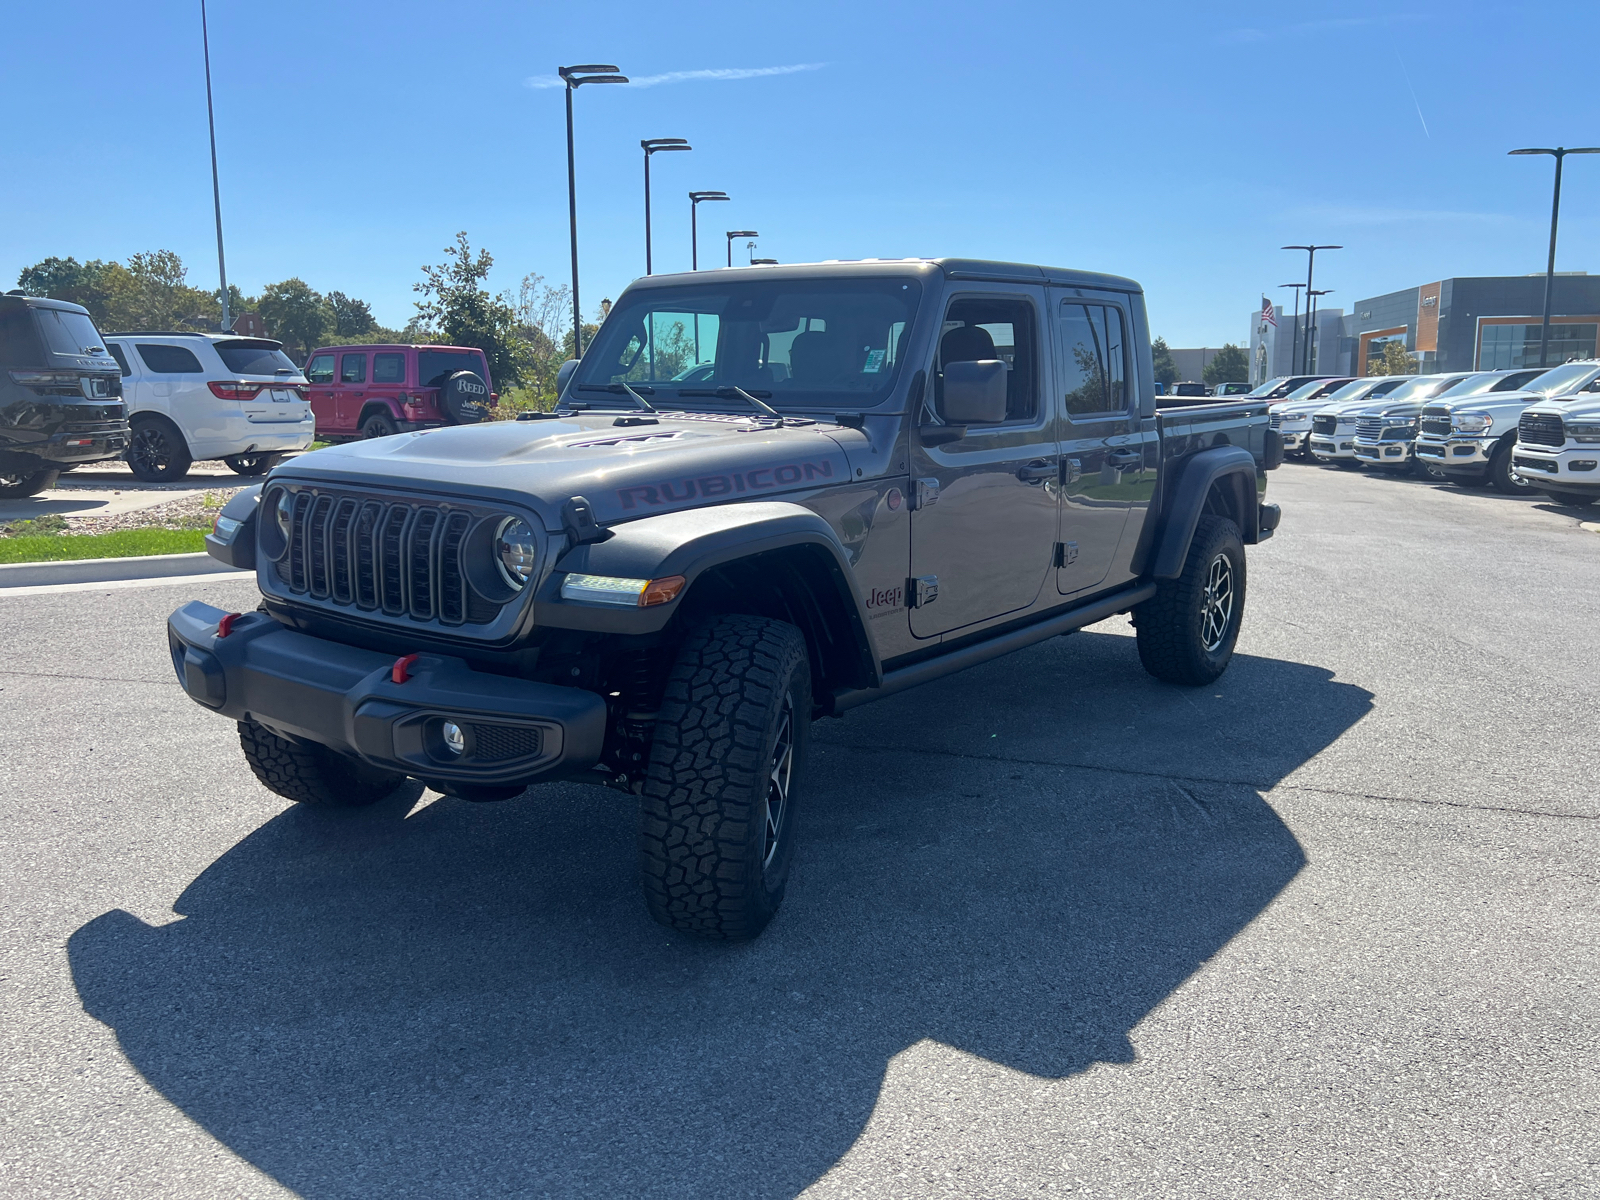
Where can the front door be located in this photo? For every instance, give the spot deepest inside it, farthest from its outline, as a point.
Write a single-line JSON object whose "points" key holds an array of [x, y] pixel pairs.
{"points": [[1102, 450], [984, 524]]}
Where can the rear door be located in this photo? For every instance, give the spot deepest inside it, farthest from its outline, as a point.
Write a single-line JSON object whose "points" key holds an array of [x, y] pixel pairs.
{"points": [[350, 393], [1104, 449], [174, 383], [319, 374], [388, 382], [984, 524]]}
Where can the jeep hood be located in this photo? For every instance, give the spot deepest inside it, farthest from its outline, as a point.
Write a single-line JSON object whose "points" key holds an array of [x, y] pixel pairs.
{"points": [[626, 466]]}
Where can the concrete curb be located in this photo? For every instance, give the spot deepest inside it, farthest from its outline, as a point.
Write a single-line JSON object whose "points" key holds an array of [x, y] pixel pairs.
{"points": [[107, 570]]}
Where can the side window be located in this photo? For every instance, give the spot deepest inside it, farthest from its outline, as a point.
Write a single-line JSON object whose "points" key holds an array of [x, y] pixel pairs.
{"points": [[1093, 360], [169, 360], [320, 369], [982, 329], [121, 355], [352, 368], [388, 368]]}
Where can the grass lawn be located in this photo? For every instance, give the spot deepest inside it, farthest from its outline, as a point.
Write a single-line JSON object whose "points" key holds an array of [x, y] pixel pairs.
{"points": [[128, 543]]}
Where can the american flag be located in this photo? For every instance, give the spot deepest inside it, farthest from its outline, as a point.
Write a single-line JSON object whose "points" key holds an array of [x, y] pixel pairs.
{"points": [[1266, 312]]}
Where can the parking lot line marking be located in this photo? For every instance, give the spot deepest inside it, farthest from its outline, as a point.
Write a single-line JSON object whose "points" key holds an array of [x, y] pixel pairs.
{"points": [[44, 589]]}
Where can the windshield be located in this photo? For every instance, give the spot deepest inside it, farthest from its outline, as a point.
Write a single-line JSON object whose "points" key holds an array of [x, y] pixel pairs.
{"points": [[1269, 387], [1317, 389], [69, 332], [1423, 387], [796, 343], [1474, 385], [435, 366], [1356, 389], [1565, 378], [255, 358]]}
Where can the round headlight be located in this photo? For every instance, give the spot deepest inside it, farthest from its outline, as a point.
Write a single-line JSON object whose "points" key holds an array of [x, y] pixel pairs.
{"points": [[285, 511], [515, 551]]}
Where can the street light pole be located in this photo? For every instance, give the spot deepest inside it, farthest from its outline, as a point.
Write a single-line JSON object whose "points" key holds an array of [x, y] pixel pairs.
{"points": [[694, 224], [1559, 153], [1311, 258], [1311, 346], [576, 77], [1294, 354], [216, 189], [738, 233], [651, 145]]}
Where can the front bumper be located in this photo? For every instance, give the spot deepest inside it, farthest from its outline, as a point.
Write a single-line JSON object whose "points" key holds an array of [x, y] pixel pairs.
{"points": [[1469, 455], [1294, 440], [1577, 468], [347, 699], [1336, 445], [1383, 454]]}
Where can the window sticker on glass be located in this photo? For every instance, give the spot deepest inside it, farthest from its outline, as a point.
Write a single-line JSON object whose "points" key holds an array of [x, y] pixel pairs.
{"points": [[874, 362]]}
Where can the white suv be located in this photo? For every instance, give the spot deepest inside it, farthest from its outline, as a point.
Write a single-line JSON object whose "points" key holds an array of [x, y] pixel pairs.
{"points": [[210, 395]]}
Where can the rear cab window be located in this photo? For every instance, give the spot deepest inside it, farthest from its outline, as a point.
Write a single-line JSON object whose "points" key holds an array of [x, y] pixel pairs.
{"points": [[168, 360]]}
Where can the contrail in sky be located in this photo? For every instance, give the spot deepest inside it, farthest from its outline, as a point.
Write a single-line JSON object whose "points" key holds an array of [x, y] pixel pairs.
{"points": [[1414, 99], [554, 81]]}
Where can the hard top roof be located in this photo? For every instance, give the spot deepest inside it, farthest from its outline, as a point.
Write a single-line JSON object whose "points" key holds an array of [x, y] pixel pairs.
{"points": [[975, 269], [45, 302], [396, 346]]}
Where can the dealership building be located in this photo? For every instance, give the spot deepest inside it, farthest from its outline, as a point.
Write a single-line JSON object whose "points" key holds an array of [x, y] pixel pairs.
{"points": [[1486, 323]]}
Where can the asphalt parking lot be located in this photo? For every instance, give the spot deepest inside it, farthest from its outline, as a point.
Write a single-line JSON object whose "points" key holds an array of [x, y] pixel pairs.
{"points": [[1326, 928]]}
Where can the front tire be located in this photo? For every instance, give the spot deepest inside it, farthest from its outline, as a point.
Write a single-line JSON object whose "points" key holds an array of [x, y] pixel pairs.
{"points": [[252, 464], [157, 452], [18, 486], [311, 774], [1188, 629], [716, 813], [1501, 478]]}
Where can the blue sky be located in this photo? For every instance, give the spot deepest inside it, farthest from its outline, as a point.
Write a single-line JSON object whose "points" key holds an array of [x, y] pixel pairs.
{"points": [[1180, 144]]}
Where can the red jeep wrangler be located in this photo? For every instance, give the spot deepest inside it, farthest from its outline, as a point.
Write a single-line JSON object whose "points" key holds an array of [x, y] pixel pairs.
{"points": [[375, 391]]}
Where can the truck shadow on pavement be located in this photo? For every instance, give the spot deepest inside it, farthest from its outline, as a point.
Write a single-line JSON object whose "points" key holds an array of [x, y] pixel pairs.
{"points": [[1019, 862]]}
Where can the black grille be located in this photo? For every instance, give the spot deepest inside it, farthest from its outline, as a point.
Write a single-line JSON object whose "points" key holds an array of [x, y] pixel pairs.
{"points": [[402, 558], [1275, 420], [1541, 429], [1325, 425], [497, 743], [1436, 421], [1369, 429]]}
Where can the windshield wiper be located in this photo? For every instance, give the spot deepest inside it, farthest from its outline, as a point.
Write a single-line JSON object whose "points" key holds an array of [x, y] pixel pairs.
{"points": [[618, 389], [726, 391]]}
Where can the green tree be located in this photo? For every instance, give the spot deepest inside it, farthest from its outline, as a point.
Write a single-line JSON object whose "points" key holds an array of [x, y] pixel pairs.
{"points": [[68, 279], [1395, 360], [542, 322], [351, 318], [296, 315], [459, 307], [1231, 365], [1166, 369]]}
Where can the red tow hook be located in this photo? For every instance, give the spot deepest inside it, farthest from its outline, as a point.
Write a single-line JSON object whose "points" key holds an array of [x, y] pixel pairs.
{"points": [[401, 671], [225, 626]]}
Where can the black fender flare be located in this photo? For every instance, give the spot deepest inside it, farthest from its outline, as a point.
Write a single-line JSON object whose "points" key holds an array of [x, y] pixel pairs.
{"points": [[239, 551], [1235, 467], [691, 542]]}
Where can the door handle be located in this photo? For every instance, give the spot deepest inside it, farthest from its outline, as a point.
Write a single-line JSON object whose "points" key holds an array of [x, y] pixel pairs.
{"points": [[1124, 458], [1035, 471]]}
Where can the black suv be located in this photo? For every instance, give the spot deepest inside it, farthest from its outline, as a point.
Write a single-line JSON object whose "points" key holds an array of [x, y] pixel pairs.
{"points": [[60, 394]]}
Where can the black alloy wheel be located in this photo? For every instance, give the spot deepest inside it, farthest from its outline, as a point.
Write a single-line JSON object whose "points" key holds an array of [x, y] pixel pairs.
{"points": [[17, 486], [1188, 629], [1503, 478], [156, 453]]}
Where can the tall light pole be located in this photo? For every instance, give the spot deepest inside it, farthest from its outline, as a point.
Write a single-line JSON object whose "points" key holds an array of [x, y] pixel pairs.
{"points": [[1311, 259], [576, 77], [1559, 153], [216, 188], [651, 146], [738, 233], [1311, 346], [1294, 355], [695, 199]]}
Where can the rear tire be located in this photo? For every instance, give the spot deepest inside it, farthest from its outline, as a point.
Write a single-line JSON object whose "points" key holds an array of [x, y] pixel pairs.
{"points": [[716, 813], [157, 452], [252, 464], [1188, 629], [18, 486], [1501, 478], [311, 774], [379, 425]]}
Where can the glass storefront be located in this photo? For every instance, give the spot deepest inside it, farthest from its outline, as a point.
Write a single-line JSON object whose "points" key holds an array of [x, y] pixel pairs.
{"points": [[1507, 347]]}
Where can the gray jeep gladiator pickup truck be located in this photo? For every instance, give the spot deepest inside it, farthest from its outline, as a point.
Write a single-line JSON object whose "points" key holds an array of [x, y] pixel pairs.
{"points": [[766, 495]]}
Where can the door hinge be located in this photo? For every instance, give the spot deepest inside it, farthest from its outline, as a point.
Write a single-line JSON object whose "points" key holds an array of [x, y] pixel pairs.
{"points": [[924, 493], [1066, 553], [921, 590]]}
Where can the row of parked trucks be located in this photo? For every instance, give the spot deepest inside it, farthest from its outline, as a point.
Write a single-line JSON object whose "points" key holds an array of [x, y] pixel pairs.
{"points": [[1520, 430]]}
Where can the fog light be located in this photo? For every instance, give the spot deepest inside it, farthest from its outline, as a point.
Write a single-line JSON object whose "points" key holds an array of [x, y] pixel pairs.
{"points": [[454, 740]]}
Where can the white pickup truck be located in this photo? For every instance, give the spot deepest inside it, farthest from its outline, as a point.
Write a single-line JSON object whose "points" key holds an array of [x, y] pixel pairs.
{"points": [[1558, 448]]}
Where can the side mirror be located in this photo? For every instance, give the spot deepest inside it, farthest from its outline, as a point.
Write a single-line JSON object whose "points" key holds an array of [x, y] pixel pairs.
{"points": [[564, 374], [975, 392]]}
